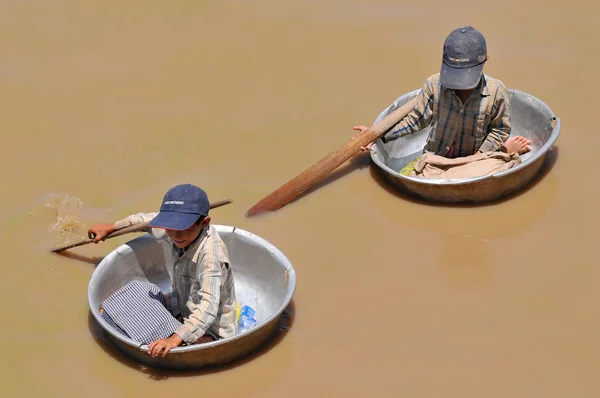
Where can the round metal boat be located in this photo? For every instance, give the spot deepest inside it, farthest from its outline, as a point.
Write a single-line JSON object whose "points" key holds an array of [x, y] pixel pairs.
{"points": [[264, 279], [529, 117]]}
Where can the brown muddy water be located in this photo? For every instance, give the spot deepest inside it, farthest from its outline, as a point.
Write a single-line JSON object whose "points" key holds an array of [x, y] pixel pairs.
{"points": [[106, 105]]}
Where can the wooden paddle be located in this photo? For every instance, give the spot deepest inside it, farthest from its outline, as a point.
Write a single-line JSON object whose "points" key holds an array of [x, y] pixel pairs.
{"points": [[134, 228], [322, 168]]}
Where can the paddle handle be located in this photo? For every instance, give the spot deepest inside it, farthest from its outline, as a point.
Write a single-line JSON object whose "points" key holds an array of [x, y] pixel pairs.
{"points": [[130, 229], [322, 168]]}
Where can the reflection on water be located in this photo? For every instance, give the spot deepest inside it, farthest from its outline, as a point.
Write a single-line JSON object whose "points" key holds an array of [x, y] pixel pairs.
{"points": [[510, 216], [465, 261]]}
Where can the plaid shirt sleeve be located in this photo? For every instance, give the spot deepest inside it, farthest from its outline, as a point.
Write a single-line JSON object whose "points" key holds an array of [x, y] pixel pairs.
{"points": [[203, 301], [418, 118], [134, 219], [499, 128]]}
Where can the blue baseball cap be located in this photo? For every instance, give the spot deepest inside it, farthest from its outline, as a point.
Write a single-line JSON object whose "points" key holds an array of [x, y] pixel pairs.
{"points": [[182, 206], [465, 52]]}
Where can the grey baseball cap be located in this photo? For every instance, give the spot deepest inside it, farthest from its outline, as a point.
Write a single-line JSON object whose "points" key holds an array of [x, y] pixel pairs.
{"points": [[465, 52]]}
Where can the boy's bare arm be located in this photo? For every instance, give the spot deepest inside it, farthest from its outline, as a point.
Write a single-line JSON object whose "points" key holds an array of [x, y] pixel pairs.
{"points": [[100, 231]]}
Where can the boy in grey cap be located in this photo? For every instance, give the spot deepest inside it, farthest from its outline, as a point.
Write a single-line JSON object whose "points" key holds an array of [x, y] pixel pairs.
{"points": [[470, 110]]}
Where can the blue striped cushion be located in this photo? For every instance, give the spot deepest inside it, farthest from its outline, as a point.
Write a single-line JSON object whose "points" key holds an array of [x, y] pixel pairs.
{"points": [[137, 310]]}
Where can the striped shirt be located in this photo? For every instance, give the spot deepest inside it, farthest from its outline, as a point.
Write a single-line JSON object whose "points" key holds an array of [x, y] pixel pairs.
{"points": [[203, 288], [481, 123]]}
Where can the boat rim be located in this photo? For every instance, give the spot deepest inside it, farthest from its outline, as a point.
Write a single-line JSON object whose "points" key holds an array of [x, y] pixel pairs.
{"points": [[460, 181], [277, 253]]}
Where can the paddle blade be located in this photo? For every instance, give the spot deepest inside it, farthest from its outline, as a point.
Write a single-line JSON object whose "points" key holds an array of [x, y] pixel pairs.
{"points": [[312, 175], [325, 166]]}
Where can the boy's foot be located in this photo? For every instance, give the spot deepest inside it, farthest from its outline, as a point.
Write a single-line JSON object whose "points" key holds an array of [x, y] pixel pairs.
{"points": [[517, 144]]}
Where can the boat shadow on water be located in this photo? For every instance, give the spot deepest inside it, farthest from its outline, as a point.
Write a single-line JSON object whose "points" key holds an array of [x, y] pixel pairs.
{"points": [[79, 257], [467, 238], [285, 324]]}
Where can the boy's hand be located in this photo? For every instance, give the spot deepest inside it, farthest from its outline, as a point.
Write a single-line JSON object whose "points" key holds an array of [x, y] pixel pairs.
{"points": [[164, 345], [99, 231], [362, 129]]}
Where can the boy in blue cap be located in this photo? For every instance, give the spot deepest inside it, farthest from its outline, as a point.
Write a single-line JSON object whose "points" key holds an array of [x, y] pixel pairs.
{"points": [[203, 295], [470, 110]]}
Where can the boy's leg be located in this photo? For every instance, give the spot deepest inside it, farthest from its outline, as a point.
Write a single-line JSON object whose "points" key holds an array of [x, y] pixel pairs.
{"points": [[207, 338], [517, 144]]}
